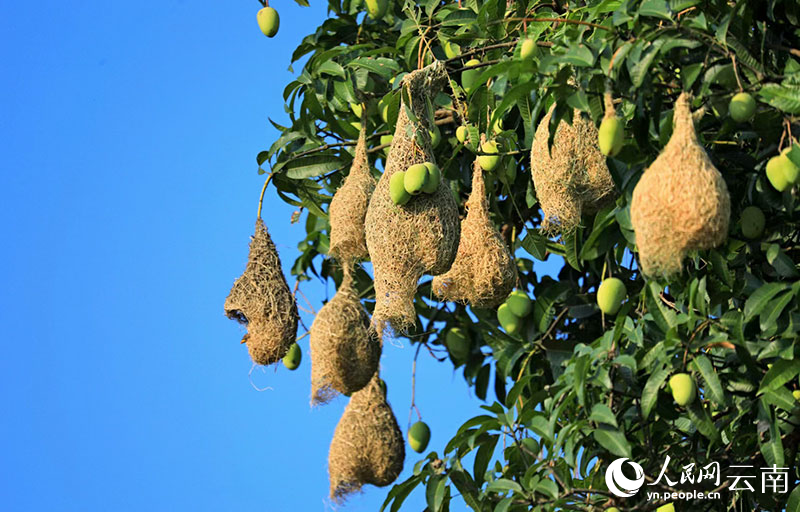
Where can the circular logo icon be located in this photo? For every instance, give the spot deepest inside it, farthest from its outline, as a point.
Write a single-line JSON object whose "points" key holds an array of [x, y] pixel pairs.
{"points": [[619, 484]]}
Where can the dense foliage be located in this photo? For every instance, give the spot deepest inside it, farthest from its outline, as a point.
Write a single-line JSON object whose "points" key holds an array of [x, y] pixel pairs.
{"points": [[577, 390]]}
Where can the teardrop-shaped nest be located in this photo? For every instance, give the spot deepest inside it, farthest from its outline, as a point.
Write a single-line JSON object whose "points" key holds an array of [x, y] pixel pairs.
{"points": [[484, 272], [367, 446], [681, 202], [421, 236], [349, 208], [344, 351], [571, 178], [261, 300]]}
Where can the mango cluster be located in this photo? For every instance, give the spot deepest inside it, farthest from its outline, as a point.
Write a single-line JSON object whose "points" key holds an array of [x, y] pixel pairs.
{"points": [[510, 314], [418, 179]]}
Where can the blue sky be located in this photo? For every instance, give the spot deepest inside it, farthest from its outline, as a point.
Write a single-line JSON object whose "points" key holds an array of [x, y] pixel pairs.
{"points": [[128, 133]]}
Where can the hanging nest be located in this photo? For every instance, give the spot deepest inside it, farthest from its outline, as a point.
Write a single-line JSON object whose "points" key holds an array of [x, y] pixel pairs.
{"points": [[681, 202], [344, 351], [349, 207], [421, 236], [484, 272], [367, 446], [261, 300], [572, 177]]}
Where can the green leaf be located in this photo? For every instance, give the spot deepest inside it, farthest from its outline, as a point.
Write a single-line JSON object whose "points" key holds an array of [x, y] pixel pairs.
{"points": [[579, 55], [769, 316], [782, 371], [310, 166], [713, 386], [782, 97], [601, 413], [650, 391], [656, 9], [482, 459], [535, 244], [793, 504], [382, 66], [702, 421], [437, 485], [612, 440], [759, 299], [571, 249], [504, 504], [330, 67], [502, 485]]}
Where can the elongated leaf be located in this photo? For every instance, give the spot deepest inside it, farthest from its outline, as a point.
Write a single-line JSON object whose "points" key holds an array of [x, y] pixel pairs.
{"points": [[612, 440], [759, 299], [650, 391], [713, 387], [782, 371], [601, 413], [310, 166]]}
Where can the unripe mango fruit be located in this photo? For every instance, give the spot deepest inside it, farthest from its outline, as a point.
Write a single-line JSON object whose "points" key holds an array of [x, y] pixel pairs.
{"points": [[434, 177], [489, 162], [416, 178], [753, 222], [462, 133], [796, 394], [386, 139], [418, 436], [469, 76], [293, 357], [377, 8], [612, 509], [610, 295], [669, 507], [683, 388], [519, 303], [510, 322], [779, 169], [268, 21], [357, 109], [742, 107], [457, 344], [397, 188], [528, 49], [611, 136]]}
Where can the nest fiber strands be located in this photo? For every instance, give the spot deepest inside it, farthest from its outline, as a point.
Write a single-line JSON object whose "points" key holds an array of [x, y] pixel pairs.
{"points": [[681, 202], [421, 236], [484, 272], [349, 207], [344, 351], [367, 446], [261, 300], [572, 177]]}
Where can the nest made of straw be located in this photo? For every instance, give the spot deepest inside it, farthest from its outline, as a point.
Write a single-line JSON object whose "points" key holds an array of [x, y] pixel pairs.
{"points": [[261, 300], [681, 202], [349, 207], [367, 446], [344, 351], [572, 177], [484, 272], [421, 236]]}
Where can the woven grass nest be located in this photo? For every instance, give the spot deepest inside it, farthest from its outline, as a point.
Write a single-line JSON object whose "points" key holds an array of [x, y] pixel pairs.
{"points": [[344, 351], [681, 202], [421, 236], [367, 446], [261, 300], [571, 178], [483, 273], [349, 207]]}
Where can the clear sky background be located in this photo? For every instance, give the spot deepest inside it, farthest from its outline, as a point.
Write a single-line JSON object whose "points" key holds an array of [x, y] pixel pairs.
{"points": [[128, 136]]}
